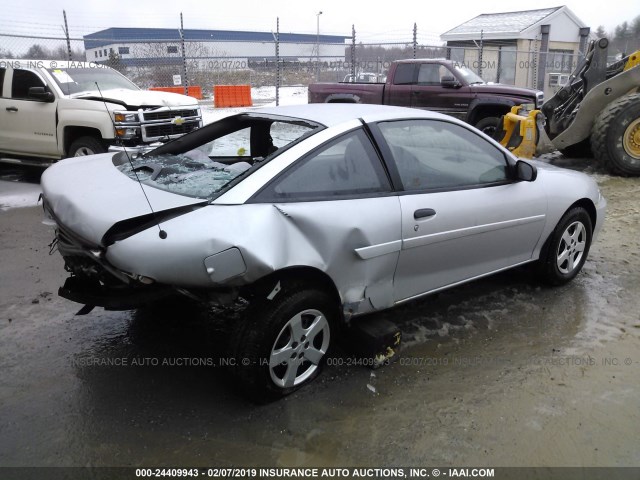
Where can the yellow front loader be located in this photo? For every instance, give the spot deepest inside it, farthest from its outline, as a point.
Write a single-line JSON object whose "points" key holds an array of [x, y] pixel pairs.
{"points": [[596, 114]]}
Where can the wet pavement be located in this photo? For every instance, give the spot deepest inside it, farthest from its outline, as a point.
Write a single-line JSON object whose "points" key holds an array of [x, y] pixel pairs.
{"points": [[500, 372]]}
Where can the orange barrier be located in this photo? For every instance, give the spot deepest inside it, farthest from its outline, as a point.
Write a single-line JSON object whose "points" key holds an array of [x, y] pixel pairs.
{"points": [[232, 96], [195, 91]]}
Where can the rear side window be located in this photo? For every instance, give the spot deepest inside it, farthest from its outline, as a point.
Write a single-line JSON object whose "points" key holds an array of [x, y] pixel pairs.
{"points": [[404, 74], [345, 167], [23, 80]]}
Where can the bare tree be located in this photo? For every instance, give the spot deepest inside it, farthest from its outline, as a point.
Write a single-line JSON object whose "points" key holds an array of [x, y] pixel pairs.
{"points": [[37, 52]]}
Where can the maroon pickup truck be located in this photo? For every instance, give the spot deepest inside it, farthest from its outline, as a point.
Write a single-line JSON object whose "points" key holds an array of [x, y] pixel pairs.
{"points": [[435, 84]]}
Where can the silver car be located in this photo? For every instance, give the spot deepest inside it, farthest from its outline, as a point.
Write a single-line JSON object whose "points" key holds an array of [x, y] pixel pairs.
{"points": [[315, 214]]}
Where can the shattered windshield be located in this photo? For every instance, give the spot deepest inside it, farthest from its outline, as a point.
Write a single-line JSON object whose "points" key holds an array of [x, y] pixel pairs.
{"points": [[206, 161]]}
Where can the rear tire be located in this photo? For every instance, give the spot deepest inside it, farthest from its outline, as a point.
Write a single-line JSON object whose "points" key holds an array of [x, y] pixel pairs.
{"points": [[86, 146], [282, 345], [615, 137], [566, 250]]}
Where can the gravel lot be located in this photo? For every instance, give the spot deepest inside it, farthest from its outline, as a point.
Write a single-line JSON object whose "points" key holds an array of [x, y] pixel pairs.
{"points": [[501, 372]]}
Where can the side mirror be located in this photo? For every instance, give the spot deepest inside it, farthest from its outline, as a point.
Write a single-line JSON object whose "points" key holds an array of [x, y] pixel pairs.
{"points": [[449, 81], [40, 93], [525, 171]]}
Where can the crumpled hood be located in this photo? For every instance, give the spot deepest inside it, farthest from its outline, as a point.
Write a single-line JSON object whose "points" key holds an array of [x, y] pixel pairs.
{"points": [[141, 98], [89, 194]]}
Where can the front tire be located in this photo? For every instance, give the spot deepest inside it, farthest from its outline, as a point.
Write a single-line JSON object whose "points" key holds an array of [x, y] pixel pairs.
{"points": [[86, 146], [567, 248], [283, 343], [615, 137], [488, 125]]}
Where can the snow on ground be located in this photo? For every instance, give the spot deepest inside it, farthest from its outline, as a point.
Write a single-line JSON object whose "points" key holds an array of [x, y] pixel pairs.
{"points": [[18, 194], [262, 97]]}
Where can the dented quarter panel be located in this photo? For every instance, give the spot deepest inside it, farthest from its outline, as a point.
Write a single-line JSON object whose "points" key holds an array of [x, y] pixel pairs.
{"points": [[322, 235]]}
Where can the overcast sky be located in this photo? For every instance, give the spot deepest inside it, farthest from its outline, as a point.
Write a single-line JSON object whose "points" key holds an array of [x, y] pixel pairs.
{"points": [[379, 20]]}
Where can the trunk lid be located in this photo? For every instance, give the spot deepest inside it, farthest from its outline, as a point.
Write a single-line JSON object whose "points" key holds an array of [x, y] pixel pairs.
{"points": [[89, 194]]}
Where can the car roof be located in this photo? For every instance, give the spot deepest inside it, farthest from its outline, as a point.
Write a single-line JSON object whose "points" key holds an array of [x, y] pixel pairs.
{"points": [[330, 114]]}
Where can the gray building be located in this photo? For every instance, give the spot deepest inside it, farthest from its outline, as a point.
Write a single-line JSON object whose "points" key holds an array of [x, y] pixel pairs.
{"points": [[532, 48]]}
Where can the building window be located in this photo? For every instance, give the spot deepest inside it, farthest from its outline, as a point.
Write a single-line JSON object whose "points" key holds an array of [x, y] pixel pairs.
{"points": [[105, 52], [561, 61], [96, 52], [456, 55], [123, 50], [100, 53], [507, 65], [172, 49]]}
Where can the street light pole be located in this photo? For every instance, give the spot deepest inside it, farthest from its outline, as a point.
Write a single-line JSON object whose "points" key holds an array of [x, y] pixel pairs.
{"points": [[318, 45]]}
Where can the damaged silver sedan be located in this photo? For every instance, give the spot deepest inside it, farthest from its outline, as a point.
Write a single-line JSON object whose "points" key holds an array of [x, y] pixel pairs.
{"points": [[314, 213]]}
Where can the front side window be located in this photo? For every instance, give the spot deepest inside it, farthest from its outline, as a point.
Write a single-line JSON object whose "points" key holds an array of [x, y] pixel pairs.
{"points": [[432, 155], [346, 167], [431, 74], [23, 80]]}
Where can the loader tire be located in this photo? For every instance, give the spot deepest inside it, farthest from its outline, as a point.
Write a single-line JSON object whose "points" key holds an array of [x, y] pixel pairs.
{"points": [[615, 136]]}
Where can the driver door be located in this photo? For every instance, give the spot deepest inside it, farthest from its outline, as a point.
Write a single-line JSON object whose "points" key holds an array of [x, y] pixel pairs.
{"points": [[428, 92], [29, 125]]}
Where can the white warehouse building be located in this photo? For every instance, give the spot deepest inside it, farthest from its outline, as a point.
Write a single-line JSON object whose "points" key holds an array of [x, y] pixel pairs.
{"points": [[210, 48]]}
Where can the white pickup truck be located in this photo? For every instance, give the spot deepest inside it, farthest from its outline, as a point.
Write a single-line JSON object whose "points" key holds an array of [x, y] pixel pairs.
{"points": [[56, 109]]}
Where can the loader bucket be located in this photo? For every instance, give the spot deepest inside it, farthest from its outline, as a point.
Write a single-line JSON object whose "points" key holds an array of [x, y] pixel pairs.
{"points": [[520, 133]]}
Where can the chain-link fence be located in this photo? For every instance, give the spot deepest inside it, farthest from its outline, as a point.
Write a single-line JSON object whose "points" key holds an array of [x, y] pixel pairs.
{"points": [[160, 57]]}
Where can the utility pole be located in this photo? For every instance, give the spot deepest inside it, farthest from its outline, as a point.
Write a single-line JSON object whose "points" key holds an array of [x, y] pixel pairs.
{"points": [[185, 82], [66, 32], [318, 45]]}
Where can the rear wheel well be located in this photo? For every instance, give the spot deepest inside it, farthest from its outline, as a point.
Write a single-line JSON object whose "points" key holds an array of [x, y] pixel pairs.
{"points": [[343, 98], [298, 276], [71, 134]]}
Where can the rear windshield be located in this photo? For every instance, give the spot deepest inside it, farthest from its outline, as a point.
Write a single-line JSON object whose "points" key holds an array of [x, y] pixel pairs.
{"points": [[205, 162]]}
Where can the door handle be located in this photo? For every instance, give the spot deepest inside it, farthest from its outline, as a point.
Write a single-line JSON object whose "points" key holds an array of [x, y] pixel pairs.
{"points": [[12, 109], [424, 213]]}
